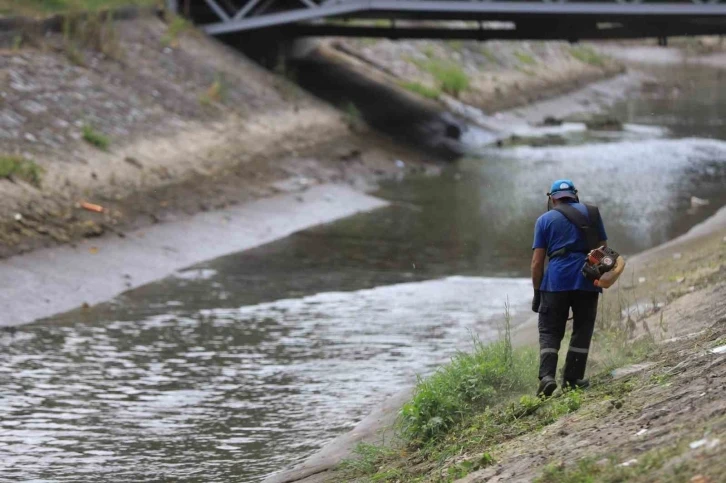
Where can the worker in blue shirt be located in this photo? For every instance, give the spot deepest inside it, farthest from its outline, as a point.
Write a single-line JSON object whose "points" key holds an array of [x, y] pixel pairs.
{"points": [[565, 234]]}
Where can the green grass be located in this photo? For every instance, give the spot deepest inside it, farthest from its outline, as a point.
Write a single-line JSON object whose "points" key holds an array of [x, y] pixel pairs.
{"points": [[450, 78], [177, 25], [22, 168], [365, 458], [39, 7], [525, 58], [588, 55], [422, 90], [95, 138], [469, 383]]}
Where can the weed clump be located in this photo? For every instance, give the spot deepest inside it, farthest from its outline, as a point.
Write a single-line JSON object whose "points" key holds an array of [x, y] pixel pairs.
{"points": [[588, 55], [470, 383], [178, 25], [449, 77], [95, 138], [19, 167], [215, 93], [422, 90], [93, 31], [525, 58], [452, 79]]}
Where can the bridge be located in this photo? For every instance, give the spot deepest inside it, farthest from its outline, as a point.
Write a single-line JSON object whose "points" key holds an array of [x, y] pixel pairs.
{"points": [[459, 19]]}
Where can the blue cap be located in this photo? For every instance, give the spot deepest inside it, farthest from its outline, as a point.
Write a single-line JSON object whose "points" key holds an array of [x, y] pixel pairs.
{"points": [[563, 188]]}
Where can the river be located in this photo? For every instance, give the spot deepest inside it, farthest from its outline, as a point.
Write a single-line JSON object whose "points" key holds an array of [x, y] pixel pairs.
{"points": [[243, 365]]}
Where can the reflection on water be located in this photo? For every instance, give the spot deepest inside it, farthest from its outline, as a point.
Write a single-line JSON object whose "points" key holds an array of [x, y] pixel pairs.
{"points": [[225, 394], [243, 365]]}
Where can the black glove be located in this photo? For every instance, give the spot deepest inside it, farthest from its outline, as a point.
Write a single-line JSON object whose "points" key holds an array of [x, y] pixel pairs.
{"points": [[535, 301]]}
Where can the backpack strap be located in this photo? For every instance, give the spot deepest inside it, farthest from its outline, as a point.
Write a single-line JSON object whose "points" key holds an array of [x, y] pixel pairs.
{"points": [[586, 224]]}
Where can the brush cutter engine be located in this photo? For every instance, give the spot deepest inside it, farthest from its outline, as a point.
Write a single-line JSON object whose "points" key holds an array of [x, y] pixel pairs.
{"points": [[599, 262]]}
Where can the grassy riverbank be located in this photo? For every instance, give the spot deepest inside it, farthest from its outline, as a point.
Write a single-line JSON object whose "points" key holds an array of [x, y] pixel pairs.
{"points": [[45, 7], [655, 411]]}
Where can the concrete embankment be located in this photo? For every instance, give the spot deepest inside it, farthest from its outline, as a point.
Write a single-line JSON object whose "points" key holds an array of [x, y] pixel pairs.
{"points": [[154, 121]]}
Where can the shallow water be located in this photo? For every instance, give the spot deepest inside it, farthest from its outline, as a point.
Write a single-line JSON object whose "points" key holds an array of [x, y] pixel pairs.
{"points": [[243, 365]]}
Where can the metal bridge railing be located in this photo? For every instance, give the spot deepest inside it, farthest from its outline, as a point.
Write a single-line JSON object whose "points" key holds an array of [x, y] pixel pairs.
{"points": [[228, 16]]}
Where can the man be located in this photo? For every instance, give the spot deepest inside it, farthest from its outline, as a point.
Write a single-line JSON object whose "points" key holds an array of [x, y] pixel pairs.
{"points": [[565, 234]]}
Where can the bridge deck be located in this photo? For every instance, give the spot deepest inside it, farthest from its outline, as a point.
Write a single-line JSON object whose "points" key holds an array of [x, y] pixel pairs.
{"points": [[533, 19]]}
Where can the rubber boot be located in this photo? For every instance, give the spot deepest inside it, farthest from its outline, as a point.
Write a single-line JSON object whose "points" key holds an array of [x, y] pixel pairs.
{"points": [[547, 386]]}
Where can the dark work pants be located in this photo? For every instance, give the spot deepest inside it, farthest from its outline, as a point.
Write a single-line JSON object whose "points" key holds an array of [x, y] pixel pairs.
{"points": [[553, 312]]}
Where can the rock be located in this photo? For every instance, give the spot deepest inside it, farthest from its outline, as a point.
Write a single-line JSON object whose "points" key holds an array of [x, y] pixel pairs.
{"points": [[705, 442], [680, 280], [90, 229], [30, 137], [604, 123], [134, 162], [551, 121], [677, 256]]}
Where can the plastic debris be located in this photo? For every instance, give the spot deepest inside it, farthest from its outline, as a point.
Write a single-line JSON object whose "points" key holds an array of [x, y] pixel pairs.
{"points": [[696, 201], [705, 442], [629, 463], [18, 217], [642, 280], [680, 279], [677, 256], [91, 207], [642, 432], [719, 350], [400, 164]]}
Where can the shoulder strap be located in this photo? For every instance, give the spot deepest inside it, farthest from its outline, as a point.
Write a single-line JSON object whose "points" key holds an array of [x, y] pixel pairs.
{"points": [[586, 224]]}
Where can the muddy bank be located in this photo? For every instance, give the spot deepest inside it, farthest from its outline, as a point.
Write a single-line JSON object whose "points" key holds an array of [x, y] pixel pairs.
{"points": [[51, 281]]}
